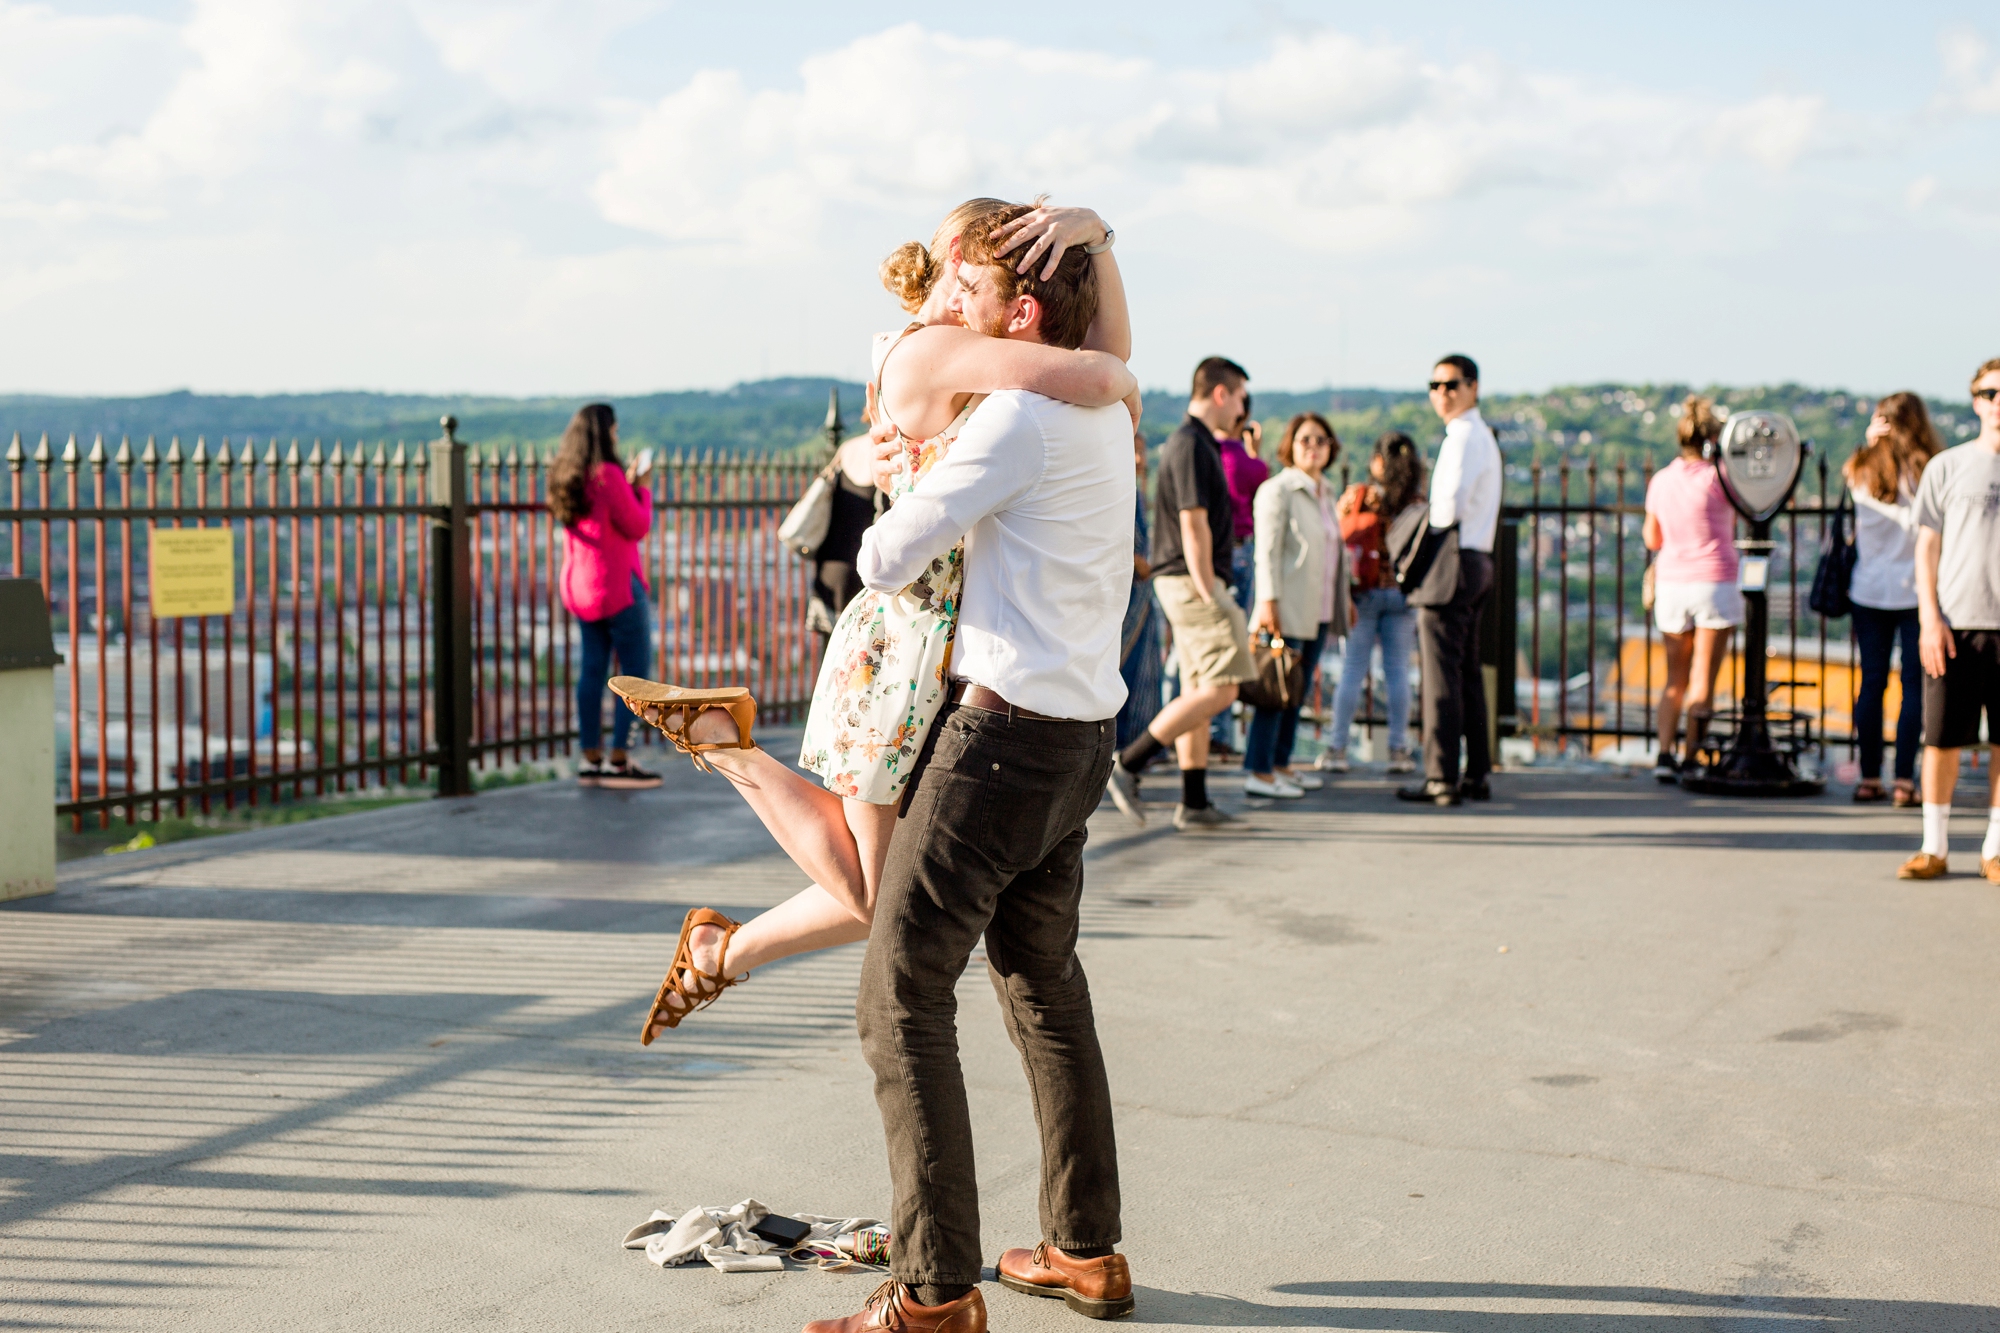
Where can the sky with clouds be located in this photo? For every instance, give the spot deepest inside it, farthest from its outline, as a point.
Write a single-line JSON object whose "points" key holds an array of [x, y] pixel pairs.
{"points": [[533, 196]]}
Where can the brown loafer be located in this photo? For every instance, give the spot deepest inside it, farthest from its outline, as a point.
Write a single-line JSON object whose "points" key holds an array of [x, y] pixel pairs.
{"points": [[1098, 1288], [1989, 866], [891, 1308], [1923, 866]]}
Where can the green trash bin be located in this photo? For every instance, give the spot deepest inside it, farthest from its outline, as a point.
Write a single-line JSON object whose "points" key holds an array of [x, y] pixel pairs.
{"points": [[28, 659]]}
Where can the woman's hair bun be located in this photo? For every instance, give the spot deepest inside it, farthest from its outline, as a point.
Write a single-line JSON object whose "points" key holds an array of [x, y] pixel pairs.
{"points": [[907, 274]]}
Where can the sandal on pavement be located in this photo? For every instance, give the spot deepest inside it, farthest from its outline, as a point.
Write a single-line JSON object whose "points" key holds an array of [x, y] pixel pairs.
{"points": [[1868, 792], [707, 985], [1905, 797], [672, 702]]}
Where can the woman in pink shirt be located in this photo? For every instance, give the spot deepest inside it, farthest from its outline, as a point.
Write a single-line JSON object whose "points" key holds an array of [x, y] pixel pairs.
{"points": [[1696, 602], [604, 517]]}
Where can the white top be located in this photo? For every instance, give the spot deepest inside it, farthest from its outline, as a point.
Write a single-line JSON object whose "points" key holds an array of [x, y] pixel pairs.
{"points": [[1465, 485], [1043, 493], [1885, 550]]}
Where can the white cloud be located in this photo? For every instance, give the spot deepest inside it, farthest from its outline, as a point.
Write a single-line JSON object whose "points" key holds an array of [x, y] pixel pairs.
{"points": [[1972, 76], [1774, 130], [387, 166], [1328, 142]]}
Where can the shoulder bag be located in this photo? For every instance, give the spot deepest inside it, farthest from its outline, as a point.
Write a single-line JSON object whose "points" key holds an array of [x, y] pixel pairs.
{"points": [[1834, 579], [1281, 676], [805, 527]]}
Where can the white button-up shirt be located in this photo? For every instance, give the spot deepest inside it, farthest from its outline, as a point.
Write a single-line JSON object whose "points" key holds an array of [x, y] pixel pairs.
{"points": [[1043, 493], [1465, 485]]}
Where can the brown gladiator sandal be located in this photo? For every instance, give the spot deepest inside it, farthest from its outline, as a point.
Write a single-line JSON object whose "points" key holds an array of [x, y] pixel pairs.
{"points": [[707, 985], [671, 702]]}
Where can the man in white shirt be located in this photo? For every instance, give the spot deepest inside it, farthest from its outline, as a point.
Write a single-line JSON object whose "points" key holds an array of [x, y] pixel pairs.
{"points": [[1465, 495], [990, 841]]}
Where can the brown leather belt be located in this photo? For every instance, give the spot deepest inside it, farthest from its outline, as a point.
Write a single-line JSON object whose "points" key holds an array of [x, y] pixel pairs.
{"points": [[978, 696]]}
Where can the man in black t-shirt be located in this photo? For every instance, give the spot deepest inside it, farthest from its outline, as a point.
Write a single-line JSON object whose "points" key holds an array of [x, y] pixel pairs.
{"points": [[1192, 525]]}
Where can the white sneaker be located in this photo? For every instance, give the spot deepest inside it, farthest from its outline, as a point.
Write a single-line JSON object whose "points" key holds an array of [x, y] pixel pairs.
{"points": [[1402, 761], [1304, 779], [1277, 787], [1332, 761]]}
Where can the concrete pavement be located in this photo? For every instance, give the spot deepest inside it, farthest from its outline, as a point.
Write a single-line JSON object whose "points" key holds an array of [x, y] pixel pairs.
{"points": [[1597, 1056]]}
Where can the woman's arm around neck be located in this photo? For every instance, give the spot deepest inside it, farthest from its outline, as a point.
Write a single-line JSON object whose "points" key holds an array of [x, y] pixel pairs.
{"points": [[932, 367]]}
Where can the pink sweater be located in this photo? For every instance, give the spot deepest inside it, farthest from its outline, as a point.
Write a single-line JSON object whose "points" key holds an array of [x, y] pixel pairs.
{"points": [[601, 553]]}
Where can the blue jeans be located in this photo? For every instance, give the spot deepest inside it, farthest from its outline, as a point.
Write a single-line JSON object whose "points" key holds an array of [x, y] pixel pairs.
{"points": [[1243, 573], [629, 634], [1875, 633], [1272, 730], [1385, 618], [1243, 587]]}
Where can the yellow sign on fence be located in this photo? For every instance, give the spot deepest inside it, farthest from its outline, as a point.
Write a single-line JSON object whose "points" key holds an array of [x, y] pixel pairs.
{"points": [[192, 572]]}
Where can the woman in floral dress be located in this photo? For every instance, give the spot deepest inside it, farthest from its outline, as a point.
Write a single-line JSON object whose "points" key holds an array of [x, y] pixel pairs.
{"points": [[882, 681]]}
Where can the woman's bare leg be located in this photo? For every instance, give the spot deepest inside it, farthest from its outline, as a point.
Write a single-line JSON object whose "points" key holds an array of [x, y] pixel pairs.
{"points": [[805, 818], [1680, 653], [845, 841], [812, 918], [1711, 647]]}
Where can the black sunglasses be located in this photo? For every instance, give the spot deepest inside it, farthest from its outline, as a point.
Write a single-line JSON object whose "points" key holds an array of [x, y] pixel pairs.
{"points": [[1449, 386], [1986, 394]]}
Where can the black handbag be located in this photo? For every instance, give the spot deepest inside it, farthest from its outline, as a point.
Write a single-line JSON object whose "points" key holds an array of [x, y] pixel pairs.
{"points": [[1834, 579], [1281, 676]]}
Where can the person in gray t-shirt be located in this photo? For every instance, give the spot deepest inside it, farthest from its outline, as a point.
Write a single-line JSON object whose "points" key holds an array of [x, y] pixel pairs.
{"points": [[1959, 499], [1958, 605]]}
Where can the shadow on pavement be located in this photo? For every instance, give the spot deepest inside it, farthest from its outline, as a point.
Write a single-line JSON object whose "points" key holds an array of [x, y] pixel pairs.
{"points": [[491, 911], [1704, 1310], [259, 1022]]}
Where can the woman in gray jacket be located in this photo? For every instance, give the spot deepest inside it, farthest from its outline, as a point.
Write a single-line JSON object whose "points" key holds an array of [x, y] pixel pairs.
{"points": [[1301, 590]]}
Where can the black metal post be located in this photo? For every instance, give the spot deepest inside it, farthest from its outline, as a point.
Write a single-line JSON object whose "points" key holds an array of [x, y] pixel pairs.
{"points": [[451, 614], [833, 422], [1500, 630], [1756, 630]]}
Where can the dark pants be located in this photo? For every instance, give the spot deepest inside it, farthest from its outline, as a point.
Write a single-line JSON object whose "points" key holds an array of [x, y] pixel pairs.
{"points": [[836, 582], [629, 635], [991, 841], [1273, 730], [1454, 688], [1876, 633]]}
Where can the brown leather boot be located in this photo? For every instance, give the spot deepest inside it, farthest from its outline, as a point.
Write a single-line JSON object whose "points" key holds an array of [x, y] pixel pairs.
{"points": [[1095, 1288], [891, 1308]]}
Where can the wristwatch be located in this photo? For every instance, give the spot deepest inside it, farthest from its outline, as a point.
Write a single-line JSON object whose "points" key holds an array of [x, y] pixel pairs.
{"points": [[1110, 239]]}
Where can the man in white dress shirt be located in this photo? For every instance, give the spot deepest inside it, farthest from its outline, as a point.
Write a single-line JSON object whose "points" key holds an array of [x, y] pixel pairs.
{"points": [[991, 837], [1465, 494]]}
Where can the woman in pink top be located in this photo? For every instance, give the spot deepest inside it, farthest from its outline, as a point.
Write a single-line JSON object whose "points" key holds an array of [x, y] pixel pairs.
{"points": [[1696, 602], [604, 517]]}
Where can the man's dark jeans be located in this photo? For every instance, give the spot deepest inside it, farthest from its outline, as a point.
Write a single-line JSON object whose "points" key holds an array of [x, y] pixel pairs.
{"points": [[1454, 686], [1877, 633], [991, 842]]}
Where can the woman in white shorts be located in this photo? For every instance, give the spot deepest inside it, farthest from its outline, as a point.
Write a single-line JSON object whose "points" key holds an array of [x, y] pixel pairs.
{"points": [[1696, 602]]}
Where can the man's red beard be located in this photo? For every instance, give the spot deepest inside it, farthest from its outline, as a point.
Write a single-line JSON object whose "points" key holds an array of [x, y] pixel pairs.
{"points": [[996, 329]]}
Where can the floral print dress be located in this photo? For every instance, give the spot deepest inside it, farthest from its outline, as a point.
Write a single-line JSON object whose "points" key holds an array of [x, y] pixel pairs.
{"points": [[882, 682]]}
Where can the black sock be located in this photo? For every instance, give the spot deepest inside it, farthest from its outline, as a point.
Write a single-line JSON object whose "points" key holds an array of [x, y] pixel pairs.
{"points": [[1087, 1251], [1140, 752], [938, 1293], [1194, 788]]}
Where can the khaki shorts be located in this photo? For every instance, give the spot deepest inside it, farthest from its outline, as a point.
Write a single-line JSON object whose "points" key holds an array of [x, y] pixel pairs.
{"points": [[1212, 639]]}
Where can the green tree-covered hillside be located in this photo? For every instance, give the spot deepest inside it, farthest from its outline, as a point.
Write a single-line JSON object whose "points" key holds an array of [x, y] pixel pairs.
{"points": [[1610, 423]]}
